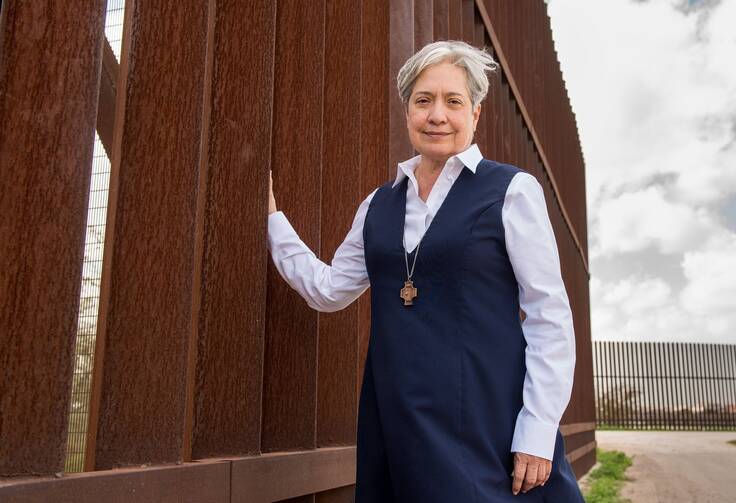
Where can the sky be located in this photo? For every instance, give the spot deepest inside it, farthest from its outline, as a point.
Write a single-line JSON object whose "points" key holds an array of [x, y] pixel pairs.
{"points": [[653, 86]]}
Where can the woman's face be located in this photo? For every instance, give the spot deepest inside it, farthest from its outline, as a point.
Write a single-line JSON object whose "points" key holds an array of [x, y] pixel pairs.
{"points": [[439, 116]]}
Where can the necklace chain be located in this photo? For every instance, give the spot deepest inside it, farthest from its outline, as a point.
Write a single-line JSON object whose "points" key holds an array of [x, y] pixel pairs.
{"points": [[406, 259]]}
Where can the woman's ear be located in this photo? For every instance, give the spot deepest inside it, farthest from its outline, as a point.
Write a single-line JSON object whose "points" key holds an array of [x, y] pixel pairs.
{"points": [[476, 115]]}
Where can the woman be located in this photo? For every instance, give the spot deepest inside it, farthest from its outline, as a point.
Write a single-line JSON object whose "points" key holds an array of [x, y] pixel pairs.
{"points": [[460, 399]]}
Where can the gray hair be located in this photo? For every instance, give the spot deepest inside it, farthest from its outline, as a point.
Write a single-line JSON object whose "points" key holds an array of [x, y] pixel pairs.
{"points": [[475, 62]]}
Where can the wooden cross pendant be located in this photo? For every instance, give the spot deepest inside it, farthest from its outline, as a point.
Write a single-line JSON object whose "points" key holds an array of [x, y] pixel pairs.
{"points": [[408, 292]]}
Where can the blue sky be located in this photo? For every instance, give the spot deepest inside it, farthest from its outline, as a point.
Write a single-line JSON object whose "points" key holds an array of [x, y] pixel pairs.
{"points": [[653, 87]]}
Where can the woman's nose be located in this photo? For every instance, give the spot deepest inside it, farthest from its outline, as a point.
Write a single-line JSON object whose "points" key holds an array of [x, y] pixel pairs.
{"points": [[437, 114]]}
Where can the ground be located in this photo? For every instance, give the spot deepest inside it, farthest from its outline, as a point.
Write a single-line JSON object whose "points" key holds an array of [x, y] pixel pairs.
{"points": [[676, 466]]}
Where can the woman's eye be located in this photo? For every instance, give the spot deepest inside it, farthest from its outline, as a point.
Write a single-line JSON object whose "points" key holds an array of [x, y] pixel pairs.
{"points": [[455, 102]]}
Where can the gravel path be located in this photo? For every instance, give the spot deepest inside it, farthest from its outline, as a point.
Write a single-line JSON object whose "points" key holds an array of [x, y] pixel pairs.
{"points": [[676, 467]]}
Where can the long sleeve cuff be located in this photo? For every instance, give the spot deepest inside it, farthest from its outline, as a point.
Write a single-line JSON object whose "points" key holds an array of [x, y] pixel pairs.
{"points": [[533, 436], [279, 229]]}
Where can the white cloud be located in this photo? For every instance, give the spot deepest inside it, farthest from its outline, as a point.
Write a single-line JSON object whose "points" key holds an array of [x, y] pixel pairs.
{"points": [[634, 296], [653, 87], [642, 85], [640, 308], [711, 275], [637, 220]]}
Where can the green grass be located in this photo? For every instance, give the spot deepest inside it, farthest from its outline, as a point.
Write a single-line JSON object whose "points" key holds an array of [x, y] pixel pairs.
{"points": [[606, 480]]}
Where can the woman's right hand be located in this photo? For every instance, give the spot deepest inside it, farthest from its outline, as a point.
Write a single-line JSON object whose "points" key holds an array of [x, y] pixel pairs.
{"points": [[271, 199]]}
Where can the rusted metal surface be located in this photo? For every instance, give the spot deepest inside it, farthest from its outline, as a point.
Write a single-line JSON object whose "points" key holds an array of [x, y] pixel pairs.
{"points": [[533, 63], [50, 56], [400, 48], [231, 259], [208, 482], [139, 390], [329, 472], [337, 398], [423, 22], [278, 476], [290, 366], [374, 133]]}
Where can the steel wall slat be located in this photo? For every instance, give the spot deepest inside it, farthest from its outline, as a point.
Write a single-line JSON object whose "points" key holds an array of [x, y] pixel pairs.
{"points": [[290, 366], [374, 137], [337, 400], [468, 22], [401, 47], [50, 54], [455, 19], [139, 386], [698, 378], [226, 406], [720, 366], [441, 19], [731, 373], [423, 22]]}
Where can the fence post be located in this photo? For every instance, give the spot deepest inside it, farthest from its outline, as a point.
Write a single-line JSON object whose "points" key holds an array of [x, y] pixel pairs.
{"points": [[50, 57]]}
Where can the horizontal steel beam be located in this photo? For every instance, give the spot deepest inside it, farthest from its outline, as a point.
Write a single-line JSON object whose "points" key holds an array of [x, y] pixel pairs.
{"points": [[263, 478]]}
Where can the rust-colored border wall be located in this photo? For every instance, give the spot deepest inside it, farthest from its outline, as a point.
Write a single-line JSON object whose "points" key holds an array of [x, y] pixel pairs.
{"points": [[47, 121], [139, 391], [204, 355], [228, 306]]}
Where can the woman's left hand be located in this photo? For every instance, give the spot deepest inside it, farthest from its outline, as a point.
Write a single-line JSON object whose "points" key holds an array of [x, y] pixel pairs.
{"points": [[529, 471]]}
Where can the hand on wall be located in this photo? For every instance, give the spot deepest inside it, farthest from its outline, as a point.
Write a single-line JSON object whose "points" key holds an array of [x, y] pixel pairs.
{"points": [[271, 199]]}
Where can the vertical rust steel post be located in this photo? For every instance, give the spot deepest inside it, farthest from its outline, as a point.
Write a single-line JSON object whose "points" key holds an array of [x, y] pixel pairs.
{"points": [[227, 336], [337, 401], [729, 399], [441, 19], [139, 393], [468, 21], [401, 47], [375, 91], [290, 360], [680, 386], [455, 20], [50, 57], [691, 384], [423, 23]]}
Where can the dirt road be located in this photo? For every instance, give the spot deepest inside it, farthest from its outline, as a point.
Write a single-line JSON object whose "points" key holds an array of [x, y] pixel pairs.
{"points": [[676, 467]]}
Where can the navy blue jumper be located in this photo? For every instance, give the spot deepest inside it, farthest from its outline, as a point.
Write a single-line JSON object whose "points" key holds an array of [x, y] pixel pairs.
{"points": [[443, 378]]}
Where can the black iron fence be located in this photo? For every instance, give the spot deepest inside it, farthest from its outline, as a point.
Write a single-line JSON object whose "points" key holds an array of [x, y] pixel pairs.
{"points": [[674, 386]]}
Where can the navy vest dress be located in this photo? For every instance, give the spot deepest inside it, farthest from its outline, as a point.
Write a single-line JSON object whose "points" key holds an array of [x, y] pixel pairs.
{"points": [[443, 377]]}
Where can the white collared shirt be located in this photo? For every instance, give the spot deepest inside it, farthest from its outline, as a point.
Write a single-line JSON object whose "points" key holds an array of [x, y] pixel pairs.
{"points": [[532, 249]]}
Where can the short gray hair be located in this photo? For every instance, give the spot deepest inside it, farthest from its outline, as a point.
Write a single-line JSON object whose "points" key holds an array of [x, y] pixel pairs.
{"points": [[476, 62]]}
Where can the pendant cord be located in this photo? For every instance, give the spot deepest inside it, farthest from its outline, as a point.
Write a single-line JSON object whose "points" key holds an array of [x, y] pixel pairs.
{"points": [[406, 259]]}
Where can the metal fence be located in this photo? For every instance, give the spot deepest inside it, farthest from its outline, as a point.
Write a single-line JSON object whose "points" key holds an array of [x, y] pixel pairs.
{"points": [[665, 385]]}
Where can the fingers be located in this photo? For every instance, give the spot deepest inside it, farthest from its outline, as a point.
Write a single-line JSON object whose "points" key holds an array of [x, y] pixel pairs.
{"points": [[547, 472], [519, 473], [529, 472], [530, 479], [271, 199]]}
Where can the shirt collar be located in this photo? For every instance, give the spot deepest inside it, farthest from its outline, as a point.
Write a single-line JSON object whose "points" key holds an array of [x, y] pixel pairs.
{"points": [[469, 157]]}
